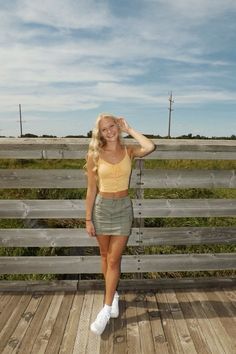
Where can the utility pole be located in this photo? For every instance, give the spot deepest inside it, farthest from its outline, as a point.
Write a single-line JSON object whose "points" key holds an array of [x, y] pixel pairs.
{"points": [[170, 110], [21, 133]]}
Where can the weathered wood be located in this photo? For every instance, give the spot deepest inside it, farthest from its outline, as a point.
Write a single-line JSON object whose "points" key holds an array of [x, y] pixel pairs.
{"points": [[36, 323], [43, 286], [70, 333], [212, 338], [60, 325], [81, 339], [46, 329], [183, 178], [161, 317], [180, 323], [53, 178], [148, 236], [75, 148], [12, 321], [192, 322], [134, 264], [74, 208], [17, 336]]}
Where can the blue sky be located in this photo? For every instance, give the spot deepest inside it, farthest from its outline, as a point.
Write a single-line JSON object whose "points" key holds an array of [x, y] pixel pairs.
{"points": [[65, 61]]}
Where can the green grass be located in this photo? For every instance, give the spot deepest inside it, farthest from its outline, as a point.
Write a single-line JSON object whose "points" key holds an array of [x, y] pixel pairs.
{"points": [[148, 222]]}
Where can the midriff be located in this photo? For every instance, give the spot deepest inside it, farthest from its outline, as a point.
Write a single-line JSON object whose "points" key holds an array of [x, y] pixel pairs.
{"points": [[119, 194]]}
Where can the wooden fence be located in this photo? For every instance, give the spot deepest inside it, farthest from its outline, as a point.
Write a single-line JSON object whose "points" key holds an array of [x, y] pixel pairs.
{"points": [[142, 178]]}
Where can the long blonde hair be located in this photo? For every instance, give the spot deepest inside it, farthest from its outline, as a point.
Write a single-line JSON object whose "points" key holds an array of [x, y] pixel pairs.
{"points": [[98, 142]]}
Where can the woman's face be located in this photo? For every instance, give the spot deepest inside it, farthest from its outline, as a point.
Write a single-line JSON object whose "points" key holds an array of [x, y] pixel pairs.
{"points": [[108, 129]]}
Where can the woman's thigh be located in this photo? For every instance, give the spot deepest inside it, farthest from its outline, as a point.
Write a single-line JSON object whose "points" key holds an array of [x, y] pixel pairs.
{"points": [[117, 245]]}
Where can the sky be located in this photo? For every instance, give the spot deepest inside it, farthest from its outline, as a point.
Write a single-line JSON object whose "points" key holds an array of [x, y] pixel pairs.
{"points": [[65, 61]]}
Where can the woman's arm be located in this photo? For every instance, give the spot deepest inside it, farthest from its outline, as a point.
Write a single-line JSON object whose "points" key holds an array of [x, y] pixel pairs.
{"points": [[146, 145], [90, 196]]}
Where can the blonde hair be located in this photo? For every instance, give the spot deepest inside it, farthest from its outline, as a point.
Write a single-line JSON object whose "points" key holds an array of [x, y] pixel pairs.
{"points": [[98, 142]]}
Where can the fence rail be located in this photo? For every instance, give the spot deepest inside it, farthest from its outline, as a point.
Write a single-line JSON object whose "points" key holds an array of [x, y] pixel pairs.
{"points": [[141, 179]]}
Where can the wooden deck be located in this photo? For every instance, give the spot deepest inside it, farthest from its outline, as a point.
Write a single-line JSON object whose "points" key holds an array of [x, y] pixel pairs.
{"points": [[165, 321]]}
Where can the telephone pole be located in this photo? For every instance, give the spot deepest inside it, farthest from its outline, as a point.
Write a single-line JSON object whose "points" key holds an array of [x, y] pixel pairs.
{"points": [[170, 110], [21, 130]]}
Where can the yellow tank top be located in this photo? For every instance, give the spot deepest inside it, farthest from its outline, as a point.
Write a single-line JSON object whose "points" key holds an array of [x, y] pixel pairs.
{"points": [[114, 177]]}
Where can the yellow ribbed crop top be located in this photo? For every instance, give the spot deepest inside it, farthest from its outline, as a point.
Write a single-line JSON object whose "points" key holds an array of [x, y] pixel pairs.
{"points": [[114, 177]]}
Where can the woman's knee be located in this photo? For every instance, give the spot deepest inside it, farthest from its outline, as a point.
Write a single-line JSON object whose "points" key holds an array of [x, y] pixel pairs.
{"points": [[113, 262], [103, 255]]}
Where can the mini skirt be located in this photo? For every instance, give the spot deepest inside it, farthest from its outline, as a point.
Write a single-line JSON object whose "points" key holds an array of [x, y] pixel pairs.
{"points": [[112, 216]]}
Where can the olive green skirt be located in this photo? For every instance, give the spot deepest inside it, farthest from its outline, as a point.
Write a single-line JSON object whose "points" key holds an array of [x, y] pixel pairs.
{"points": [[113, 216]]}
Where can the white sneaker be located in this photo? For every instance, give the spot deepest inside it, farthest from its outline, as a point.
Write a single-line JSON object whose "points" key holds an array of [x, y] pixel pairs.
{"points": [[100, 323], [115, 306]]}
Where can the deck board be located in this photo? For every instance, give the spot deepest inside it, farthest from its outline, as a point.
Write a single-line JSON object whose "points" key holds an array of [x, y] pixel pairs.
{"points": [[167, 321]]}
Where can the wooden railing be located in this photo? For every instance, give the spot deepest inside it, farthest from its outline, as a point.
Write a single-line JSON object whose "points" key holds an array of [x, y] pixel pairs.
{"points": [[142, 178]]}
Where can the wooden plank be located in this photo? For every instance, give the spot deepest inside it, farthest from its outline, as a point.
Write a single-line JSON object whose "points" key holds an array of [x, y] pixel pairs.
{"points": [[159, 338], [93, 345], [120, 330], [168, 324], [148, 236], [36, 323], [69, 336], [4, 300], [224, 315], [194, 327], [7, 311], [150, 178], [42, 178], [45, 331], [124, 284], [50, 178], [38, 285], [60, 148], [180, 323], [74, 208], [133, 335], [15, 340], [59, 237], [12, 322], [60, 324], [184, 207], [186, 178], [231, 294], [146, 339], [182, 262], [81, 339], [214, 327], [139, 263], [228, 306]]}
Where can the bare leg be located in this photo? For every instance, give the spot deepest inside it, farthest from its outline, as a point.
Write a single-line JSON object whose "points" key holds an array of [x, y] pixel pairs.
{"points": [[116, 246], [104, 241]]}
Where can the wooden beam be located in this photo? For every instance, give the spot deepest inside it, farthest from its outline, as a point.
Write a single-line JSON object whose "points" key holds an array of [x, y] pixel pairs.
{"points": [[130, 264], [150, 178], [146, 236], [147, 208]]}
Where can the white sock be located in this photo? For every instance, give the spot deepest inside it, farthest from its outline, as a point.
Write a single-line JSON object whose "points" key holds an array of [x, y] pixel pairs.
{"points": [[107, 309]]}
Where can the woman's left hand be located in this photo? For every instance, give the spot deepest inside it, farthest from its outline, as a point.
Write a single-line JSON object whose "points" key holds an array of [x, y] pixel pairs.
{"points": [[124, 126]]}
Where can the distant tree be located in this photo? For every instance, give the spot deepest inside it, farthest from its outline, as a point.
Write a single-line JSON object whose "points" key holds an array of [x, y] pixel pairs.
{"points": [[89, 134], [29, 135], [48, 136]]}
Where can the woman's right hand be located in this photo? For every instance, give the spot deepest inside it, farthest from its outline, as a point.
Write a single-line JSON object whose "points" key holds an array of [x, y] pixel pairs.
{"points": [[90, 228]]}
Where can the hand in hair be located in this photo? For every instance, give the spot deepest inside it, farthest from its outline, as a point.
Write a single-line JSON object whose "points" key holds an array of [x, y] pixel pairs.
{"points": [[124, 126]]}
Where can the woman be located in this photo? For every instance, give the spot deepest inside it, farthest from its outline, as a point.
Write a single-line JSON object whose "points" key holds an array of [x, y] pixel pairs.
{"points": [[109, 212]]}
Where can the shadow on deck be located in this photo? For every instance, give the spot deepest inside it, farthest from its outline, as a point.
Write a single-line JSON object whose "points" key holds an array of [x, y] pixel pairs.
{"points": [[163, 321]]}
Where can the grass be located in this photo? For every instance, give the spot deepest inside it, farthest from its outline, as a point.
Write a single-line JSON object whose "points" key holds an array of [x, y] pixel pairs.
{"points": [[148, 222]]}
